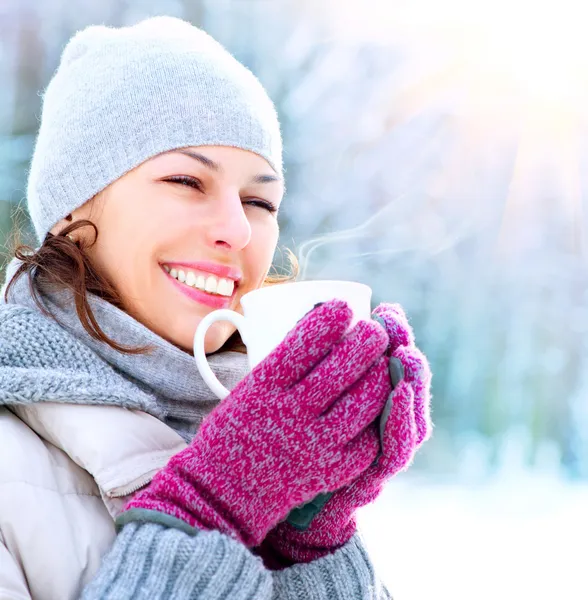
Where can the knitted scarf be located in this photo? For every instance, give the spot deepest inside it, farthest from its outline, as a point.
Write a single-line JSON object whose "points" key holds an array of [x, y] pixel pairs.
{"points": [[44, 359]]}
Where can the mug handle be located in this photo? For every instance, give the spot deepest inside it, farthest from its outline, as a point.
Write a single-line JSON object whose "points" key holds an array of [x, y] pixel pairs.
{"points": [[223, 314]]}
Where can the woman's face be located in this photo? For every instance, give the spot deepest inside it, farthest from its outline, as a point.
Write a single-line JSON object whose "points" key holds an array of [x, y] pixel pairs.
{"points": [[185, 233]]}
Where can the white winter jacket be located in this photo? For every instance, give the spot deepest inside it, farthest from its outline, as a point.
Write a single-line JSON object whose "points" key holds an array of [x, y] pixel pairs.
{"points": [[65, 472]]}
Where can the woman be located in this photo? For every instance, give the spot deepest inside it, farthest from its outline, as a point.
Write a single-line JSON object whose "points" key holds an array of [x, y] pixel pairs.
{"points": [[154, 190]]}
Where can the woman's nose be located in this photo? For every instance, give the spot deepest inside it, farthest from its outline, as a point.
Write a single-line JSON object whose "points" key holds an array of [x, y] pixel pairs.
{"points": [[228, 226]]}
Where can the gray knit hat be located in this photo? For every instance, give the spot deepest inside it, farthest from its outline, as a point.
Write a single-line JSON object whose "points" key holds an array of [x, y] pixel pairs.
{"points": [[123, 95]]}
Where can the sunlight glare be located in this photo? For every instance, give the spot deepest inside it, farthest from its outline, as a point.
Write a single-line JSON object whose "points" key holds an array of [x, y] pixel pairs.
{"points": [[534, 52]]}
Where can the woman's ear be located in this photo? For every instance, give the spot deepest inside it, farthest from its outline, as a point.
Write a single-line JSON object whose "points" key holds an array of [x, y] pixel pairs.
{"points": [[81, 213], [61, 224]]}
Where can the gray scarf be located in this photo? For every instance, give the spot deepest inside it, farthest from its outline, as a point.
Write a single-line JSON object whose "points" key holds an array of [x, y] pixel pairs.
{"points": [[55, 360]]}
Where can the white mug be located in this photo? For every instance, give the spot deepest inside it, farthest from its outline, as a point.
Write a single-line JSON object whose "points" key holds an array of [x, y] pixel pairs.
{"points": [[269, 313]]}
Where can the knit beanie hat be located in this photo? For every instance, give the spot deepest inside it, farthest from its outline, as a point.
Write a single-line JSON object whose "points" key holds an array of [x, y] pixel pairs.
{"points": [[123, 95]]}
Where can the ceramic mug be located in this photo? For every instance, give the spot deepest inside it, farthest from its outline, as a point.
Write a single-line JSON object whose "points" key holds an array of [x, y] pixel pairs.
{"points": [[269, 313]]}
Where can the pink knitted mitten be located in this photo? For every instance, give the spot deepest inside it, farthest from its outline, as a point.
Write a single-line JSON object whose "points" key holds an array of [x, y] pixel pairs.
{"points": [[404, 429], [301, 423]]}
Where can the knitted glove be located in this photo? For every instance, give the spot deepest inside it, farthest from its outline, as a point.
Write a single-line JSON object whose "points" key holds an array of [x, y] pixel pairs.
{"points": [[405, 425], [296, 426]]}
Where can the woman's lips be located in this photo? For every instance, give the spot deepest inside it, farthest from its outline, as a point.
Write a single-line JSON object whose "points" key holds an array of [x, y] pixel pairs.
{"points": [[200, 296], [224, 271]]}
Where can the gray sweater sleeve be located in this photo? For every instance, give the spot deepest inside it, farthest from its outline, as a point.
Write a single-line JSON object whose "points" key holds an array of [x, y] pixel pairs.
{"points": [[345, 574], [150, 561]]}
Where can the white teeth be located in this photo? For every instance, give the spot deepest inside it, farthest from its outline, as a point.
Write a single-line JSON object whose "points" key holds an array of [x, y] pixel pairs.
{"points": [[221, 288], [225, 287], [190, 279], [210, 284]]}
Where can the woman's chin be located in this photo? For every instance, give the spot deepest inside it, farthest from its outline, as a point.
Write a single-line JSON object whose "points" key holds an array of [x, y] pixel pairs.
{"points": [[213, 343]]}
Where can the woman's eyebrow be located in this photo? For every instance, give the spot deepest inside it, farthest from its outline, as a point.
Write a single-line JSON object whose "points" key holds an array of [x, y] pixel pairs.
{"points": [[204, 160], [265, 179], [214, 166]]}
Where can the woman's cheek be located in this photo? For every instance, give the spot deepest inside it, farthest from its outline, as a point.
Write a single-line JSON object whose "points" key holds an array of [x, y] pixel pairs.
{"points": [[265, 248]]}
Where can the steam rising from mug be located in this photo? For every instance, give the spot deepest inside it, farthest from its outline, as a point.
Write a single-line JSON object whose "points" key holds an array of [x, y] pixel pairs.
{"points": [[393, 230]]}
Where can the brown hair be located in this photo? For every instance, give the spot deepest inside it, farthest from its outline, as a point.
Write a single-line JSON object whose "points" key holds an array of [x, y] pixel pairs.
{"points": [[62, 263]]}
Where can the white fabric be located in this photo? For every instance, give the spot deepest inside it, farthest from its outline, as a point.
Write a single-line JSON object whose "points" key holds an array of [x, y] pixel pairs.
{"points": [[65, 472]]}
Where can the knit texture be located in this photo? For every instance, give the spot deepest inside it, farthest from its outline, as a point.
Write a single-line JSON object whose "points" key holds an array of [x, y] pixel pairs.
{"points": [[404, 426], [43, 361], [301, 423], [123, 95], [152, 562], [343, 575]]}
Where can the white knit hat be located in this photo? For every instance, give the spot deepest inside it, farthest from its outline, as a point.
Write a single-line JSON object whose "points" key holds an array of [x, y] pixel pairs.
{"points": [[123, 95]]}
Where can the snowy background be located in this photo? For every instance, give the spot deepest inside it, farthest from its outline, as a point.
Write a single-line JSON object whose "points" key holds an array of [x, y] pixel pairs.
{"points": [[437, 152], [513, 537]]}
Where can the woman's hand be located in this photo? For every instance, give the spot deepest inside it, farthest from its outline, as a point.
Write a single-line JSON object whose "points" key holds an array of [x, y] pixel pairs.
{"points": [[404, 429], [301, 423]]}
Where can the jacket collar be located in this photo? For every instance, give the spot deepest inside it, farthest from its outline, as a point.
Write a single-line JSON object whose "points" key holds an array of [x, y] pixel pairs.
{"points": [[122, 449]]}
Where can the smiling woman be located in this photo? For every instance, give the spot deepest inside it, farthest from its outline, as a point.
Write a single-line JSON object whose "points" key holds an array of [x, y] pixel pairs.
{"points": [[154, 191], [219, 206]]}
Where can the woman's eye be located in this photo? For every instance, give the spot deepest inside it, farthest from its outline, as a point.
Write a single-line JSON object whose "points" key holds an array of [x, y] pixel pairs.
{"points": [[265, 204], [186, 181], [196, 184]]}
